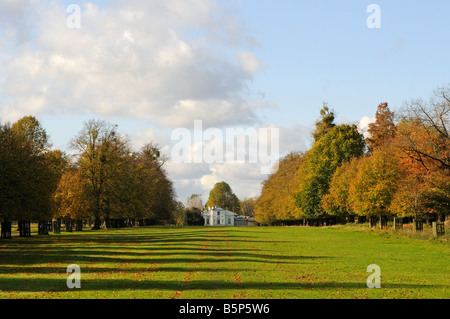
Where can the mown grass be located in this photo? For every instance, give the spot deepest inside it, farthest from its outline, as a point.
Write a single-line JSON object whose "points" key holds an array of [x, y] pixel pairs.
{"points": [[223, 263]]}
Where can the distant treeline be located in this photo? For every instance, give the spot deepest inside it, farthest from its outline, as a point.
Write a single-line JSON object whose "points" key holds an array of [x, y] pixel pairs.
{"points": [[401, 170]]}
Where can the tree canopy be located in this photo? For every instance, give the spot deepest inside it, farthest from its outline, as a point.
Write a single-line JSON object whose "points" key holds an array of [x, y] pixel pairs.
{"points": [[277, 201], [340, 144], [383, 129], [325, 123], [222, 196], [105, 179]]}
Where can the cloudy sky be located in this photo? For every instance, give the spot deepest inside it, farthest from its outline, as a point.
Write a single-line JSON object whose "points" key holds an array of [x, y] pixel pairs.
{"points": [[154, 67]]}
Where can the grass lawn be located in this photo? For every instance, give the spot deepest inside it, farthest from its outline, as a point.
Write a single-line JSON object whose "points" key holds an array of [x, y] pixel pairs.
{"points": [[224, 263]]}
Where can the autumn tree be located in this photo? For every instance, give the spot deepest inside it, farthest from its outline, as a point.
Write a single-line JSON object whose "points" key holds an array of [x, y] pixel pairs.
{"points": [[120, 188], [265, 211], [46, 171], [179, 216], [71, 196], [383, 129], [97, 145], [325, 123], [155, 183], [373, 188], [32, 129], [31, 173], [409, 198], [248, 206], [277, 201], [340, 144], [17, 191], [134, 185], [222, 196], [436, 197], [423, 138], [337, 202], [425, 133]]}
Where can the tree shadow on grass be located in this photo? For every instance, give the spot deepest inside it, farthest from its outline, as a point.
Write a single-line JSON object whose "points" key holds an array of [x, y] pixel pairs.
{"points": [[86, 257], [59, 270], [59, 285], [133, 237], [167, 252], [123, 248]]}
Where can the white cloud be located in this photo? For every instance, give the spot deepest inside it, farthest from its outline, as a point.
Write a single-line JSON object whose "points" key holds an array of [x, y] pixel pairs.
{"points": [[244, 177], [295, 138], [168, 61], [213, 113], [149, 135], [249, 62], [363, 125], [10, 115], [184, 171]]}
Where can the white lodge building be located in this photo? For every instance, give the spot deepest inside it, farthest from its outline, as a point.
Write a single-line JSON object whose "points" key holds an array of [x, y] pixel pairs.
{"points": [[217, 216]]}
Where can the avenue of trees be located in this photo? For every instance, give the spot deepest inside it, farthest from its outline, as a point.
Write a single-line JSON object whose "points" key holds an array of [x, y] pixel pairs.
{"points": [[402, 169], [105, 182]]}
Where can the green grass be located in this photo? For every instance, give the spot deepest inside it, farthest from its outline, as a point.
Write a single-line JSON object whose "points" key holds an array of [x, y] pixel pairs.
{"points": [[407, 231], [224, 263]]}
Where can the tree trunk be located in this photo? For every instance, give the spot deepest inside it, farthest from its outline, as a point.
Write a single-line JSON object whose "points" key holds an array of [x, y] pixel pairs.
{"points": [[68, 224], [417, 224], [380, 220], [42, 227], [24, 228], [57, 226], [79, 225], [6, 229], [109, 222], [371, 222], [96, 223]]}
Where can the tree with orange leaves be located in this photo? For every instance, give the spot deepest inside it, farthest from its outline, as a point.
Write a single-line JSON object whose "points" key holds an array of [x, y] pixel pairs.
{"points": [[376, 182], [71, 196], [277, 201], [424, 142], [383, 129], [336, 202]]}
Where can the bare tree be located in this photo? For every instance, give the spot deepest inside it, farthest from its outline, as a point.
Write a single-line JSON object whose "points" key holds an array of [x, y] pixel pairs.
{"points": [[425, 127]]}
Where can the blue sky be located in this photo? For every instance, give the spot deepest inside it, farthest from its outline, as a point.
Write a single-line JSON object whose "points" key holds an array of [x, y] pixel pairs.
{"points": [[318, 51], [155, 66]]}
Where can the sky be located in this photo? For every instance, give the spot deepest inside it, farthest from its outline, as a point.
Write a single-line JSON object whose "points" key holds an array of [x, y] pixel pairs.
{"points": [[154, 68]]}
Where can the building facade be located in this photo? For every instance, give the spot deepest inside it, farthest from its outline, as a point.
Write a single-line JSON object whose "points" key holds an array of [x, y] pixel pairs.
{"points": [[217, 216]]}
